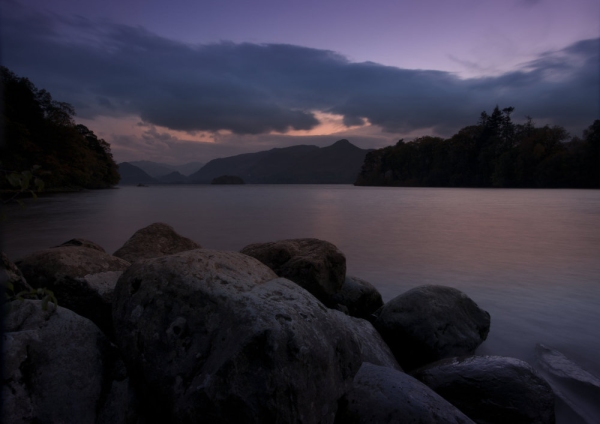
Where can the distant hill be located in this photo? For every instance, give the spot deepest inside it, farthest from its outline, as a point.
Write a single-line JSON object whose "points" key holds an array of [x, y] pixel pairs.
{"points": [[131, 175], [157, 169], [339, 163], [227, 179], [241, 165], [189, 168], [173, 178]]}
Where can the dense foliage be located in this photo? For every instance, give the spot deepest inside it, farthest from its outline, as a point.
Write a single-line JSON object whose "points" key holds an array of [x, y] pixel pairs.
{"points": [[494, 153], [40, 133]]}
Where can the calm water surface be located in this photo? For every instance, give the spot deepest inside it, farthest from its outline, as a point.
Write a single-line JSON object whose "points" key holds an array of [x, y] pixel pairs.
{"points": [[529, 257]]}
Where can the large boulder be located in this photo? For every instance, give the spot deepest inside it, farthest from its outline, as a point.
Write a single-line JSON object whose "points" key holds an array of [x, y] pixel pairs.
{"points": [[382, 395], [429, 323], [316, 265], [153, 241], [360, 297], [216, 337], [58, 367], [81, 278], [491, 389]]}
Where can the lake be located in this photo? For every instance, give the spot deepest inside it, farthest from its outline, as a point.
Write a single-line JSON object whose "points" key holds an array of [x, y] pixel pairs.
{"points": [[531, 258]]}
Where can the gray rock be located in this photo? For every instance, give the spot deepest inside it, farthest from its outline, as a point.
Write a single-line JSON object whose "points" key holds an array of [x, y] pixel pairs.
{"points": [[558, 365], [573, 386], [314, 264], [430, 323], [491, 389], [215, 336], [10, 274], [121, 404], [42, 268], [372, 348], [153, 241], [81, 278], [57, 366], [382, 395], [83, 243], [360, 297]]}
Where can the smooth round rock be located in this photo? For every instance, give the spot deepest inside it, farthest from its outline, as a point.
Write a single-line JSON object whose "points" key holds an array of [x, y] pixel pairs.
{"points": [[153, 241], [492, 389], [216, 337], [382, 395], [429, 323], [316, 265], [56, 365], [360, 297], [81, 278]]}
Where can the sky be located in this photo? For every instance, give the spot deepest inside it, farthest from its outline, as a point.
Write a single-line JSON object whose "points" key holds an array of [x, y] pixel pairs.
{"points": [[186, 80]]}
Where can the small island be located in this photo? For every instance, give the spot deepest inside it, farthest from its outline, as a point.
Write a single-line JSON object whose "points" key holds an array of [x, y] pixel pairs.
{"points": [[227, 179]]}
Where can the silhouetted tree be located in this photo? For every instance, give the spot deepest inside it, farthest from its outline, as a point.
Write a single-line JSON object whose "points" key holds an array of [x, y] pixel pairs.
{"points": [[40, 131], [590, 150], [494, 153]]}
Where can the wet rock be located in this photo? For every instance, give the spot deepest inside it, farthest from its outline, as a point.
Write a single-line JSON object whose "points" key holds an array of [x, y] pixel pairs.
{"points": [[83, 243], [81, 278], [429, 323], [153, 241], [382, 395], [360, 297], [560, 366], [491, 389], [10, 274], [217, 337], [577, 390], [316, 265], [57, 366]]}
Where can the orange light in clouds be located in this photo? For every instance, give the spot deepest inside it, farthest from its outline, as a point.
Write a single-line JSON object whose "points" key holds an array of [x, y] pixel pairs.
{"points": [[107, 127], [329, 124]]}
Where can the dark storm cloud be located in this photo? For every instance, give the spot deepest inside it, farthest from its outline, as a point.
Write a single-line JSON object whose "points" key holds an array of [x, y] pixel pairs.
{"points": [[108, 69], [562, 86]]}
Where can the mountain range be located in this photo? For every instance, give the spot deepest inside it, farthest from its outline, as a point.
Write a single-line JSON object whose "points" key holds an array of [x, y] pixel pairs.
{"points": [[131, 174], [159, 170], [339, 163]]}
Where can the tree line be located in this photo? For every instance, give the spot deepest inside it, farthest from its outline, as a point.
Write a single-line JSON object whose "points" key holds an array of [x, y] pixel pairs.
{"points": [[495, 152], [40, 134]]}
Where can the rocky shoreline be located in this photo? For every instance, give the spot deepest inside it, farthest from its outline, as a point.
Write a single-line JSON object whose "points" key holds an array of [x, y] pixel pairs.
{"points": [[164, 330]]}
